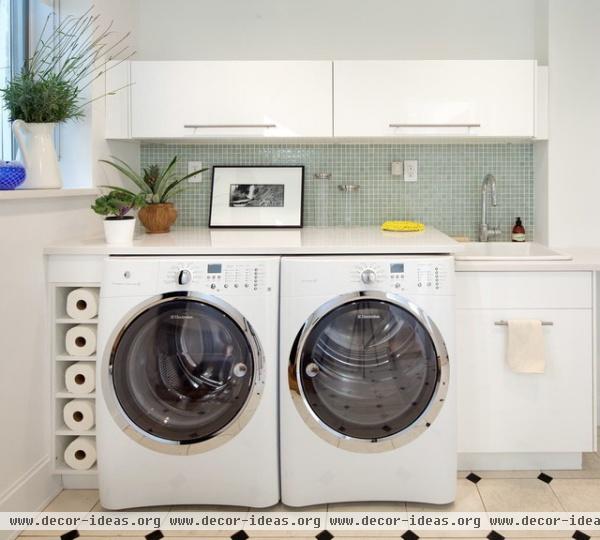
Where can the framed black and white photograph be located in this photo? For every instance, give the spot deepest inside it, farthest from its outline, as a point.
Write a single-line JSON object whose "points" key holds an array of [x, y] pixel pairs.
{"points": [[257, 196]]}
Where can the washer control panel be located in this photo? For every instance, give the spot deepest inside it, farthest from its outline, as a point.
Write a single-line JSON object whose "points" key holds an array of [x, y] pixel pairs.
{"points": [[403, 275], [218, 276]]}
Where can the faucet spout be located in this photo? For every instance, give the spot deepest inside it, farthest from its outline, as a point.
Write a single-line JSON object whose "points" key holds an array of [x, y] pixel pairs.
{"points": [[485, 232]]}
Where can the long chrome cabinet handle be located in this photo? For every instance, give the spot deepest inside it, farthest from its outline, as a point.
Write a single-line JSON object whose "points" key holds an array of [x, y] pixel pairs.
{"points": [[505, 323], [209, 126], [434, 125]]}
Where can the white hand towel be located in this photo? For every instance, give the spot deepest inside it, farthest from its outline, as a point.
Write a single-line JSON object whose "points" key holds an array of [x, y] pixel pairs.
{"points": [[525, 351]]}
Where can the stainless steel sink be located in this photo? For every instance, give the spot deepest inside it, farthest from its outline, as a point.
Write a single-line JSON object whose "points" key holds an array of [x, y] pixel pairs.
{"points": [[509, 251]]}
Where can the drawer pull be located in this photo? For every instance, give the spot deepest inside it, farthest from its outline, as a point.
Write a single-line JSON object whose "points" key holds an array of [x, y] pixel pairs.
{"points": [[505, 323]]}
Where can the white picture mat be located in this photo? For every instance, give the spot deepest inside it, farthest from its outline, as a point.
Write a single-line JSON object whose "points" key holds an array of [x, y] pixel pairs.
{"points": [[288, 215]]}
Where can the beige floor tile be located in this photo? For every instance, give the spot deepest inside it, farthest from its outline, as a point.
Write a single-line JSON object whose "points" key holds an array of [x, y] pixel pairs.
{"points": [[68, 500], [518, 495], [582, 495], [467, 500], [73, 500], [591, 468]]}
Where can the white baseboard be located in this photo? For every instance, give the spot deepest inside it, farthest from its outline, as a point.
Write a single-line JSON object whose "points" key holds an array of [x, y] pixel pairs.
{"points": [[30, 493], [519, 462]]}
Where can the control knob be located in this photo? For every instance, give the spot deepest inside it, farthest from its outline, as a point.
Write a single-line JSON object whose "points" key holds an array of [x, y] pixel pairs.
{"points": [[368, 276], [185, 276]]}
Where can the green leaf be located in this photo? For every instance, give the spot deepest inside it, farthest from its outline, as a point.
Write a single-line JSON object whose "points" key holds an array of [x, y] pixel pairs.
{"points": [[127, 171]]}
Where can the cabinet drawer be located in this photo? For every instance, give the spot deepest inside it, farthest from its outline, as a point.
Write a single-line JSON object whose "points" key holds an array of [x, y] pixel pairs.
{"points": [[523, 290], [503, 411]]}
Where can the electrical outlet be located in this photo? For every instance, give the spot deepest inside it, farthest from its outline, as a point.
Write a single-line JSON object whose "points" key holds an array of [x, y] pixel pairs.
{"points": [[411, 169], [192, 167], [397, 168]]}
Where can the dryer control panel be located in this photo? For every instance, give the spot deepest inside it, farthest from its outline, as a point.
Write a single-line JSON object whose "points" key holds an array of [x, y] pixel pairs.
{"points": [[402, 275], [214, 276]]}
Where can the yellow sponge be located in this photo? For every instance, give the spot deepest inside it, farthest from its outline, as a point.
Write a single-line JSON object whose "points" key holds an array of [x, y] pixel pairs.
{"points": [[403, 226]]}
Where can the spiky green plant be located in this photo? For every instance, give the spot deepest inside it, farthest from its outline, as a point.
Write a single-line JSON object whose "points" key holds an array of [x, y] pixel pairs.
{"points": [[52, 84], [155, 186]]}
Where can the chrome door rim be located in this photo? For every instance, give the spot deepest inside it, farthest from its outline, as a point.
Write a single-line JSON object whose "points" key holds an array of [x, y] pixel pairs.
{"points": [[390, 442], [167, 446]]}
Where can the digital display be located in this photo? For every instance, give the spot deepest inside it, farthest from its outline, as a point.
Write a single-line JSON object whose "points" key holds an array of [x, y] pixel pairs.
{"points": [[214, 269], [397, 268]]}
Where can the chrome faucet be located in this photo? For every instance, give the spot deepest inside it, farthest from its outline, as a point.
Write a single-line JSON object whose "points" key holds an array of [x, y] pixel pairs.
{"points": [[485, 232]]}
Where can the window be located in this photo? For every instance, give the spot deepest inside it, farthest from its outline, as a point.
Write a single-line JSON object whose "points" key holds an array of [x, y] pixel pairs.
{"points": [[14, 38]]}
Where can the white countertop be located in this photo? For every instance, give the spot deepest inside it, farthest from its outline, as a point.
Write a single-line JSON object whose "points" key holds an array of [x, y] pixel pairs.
{"points": [[306, 241]]}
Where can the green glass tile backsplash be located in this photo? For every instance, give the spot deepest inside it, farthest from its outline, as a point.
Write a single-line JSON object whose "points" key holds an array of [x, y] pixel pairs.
{"points": [[446, 196]]}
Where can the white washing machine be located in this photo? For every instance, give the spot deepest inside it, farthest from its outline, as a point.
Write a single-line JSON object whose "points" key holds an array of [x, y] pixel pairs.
{"points": [[367, 383], [187, 393]]}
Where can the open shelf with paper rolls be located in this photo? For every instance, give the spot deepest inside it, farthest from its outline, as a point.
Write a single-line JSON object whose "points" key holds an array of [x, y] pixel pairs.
{"points": [[74, 320]]}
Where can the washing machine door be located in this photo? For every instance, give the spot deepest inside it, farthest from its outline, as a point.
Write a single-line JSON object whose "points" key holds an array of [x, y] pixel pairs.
{"points": [[369, 372], [185, 373]]}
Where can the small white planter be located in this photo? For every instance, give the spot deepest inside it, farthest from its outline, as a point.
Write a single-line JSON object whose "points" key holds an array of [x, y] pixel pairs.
{"points": [[119, 231]]}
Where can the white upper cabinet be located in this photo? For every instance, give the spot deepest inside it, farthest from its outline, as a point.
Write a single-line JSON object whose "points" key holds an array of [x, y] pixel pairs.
{"points": [[484, 98], [231, 99]]}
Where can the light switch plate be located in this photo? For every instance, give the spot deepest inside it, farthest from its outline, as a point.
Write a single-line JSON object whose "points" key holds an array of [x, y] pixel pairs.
{"points": [[411, 169], [194, 166], [397, 168]]}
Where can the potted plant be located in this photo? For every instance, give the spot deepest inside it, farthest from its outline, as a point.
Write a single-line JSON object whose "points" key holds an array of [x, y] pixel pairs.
{"points": [[158, 188], [53, 86], [115, 205]]}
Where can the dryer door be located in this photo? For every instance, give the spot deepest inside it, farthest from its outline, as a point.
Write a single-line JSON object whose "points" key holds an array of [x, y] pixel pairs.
{"points": [[182, 370], [371, 369]]}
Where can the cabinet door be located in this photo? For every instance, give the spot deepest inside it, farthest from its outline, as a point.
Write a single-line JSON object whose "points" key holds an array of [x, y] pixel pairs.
{"points": [[502, 411], [442, 98], [231, 99]]}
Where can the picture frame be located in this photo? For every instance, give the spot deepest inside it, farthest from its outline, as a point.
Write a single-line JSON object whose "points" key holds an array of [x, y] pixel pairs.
{"points": [[257, 196]]}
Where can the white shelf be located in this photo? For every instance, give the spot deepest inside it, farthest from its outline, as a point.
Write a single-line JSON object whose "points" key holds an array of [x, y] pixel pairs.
{"points": [[69, 358], [64, 469], [21, 194], [75, 322], [61, 434], [68, 395]]}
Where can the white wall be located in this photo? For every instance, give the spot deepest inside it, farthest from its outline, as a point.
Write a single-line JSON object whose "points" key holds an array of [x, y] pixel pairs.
{"points": [[28, 226], [573, 183], [335, 29]]}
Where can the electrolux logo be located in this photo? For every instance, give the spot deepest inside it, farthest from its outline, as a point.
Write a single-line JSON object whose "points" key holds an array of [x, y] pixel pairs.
{"points": [[363, 316], [182, 317]]}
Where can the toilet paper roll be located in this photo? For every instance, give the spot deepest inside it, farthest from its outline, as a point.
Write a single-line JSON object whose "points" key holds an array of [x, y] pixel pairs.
{"points": [[78, 414], [81, 453], [80, 378], [81, 340], [82, 304]]}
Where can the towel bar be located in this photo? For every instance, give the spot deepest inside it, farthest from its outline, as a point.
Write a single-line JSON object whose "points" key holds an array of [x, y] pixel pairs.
{"points": [[505, 323]]}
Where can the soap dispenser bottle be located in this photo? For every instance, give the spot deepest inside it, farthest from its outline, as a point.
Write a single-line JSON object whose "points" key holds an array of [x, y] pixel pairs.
{"points": [[518, 232]]}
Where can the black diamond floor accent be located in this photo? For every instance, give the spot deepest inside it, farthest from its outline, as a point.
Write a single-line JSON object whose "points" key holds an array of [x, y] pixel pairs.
{"points": [[409, 535], [324, 535], [71, 535], [578, 535], [240, 535], [473, 477], [545, 477], [155, 535], [494, 536]]}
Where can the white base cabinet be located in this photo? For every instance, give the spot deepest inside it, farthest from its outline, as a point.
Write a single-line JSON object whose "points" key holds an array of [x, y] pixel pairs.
{"points": [[231, 99], [501, 411]]}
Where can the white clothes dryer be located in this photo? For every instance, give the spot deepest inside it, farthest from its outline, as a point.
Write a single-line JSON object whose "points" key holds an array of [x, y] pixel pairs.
{"points": [[367, 379]]}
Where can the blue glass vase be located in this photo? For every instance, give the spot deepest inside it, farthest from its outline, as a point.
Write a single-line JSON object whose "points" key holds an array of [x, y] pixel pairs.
{"points": [[12, 174]]}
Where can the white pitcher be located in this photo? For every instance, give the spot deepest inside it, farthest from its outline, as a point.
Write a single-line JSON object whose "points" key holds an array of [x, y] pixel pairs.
{"points": [[36, 142]]}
